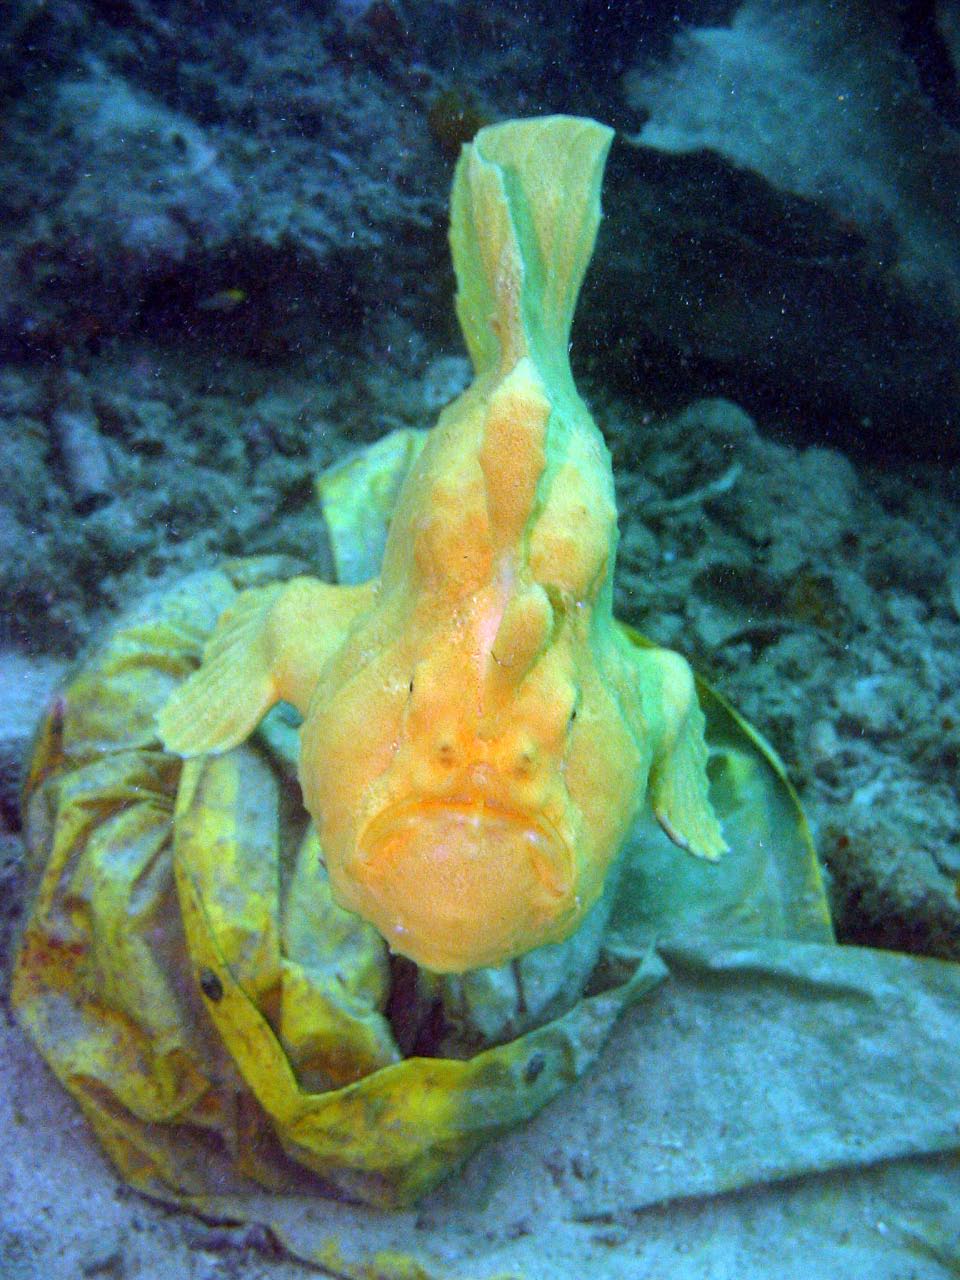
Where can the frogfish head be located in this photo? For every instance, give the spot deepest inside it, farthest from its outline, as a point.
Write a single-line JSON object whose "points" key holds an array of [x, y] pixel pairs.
{"points": [[472, 756]]}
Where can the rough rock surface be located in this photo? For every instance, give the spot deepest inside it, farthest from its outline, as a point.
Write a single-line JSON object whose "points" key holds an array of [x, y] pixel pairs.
{"points": [[796, 234]]}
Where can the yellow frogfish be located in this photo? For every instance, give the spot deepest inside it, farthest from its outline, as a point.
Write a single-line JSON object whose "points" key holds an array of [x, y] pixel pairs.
{"points": [[478, 732]]}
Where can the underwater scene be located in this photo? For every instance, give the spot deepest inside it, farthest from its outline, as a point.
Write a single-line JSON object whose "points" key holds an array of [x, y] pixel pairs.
{"points": [[480, 640]]}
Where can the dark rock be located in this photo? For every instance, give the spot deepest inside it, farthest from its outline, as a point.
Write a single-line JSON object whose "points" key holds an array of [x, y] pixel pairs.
{"points": [[722, 285]]}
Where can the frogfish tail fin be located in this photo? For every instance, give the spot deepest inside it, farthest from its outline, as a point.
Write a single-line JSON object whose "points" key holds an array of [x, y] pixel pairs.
{"points": [[524, 215]]}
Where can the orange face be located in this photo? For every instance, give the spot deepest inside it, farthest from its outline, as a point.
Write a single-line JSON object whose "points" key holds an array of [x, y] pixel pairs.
{"points": [[470, 831]]}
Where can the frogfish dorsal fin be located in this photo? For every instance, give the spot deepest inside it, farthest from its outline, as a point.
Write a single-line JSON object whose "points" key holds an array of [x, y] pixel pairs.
{"points": [[524, 214]]}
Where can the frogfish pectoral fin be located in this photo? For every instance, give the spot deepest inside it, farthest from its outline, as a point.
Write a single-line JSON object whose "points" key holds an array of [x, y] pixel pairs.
{"points": [[268, 647], [678, 785], [679, 797], [233, 688]]}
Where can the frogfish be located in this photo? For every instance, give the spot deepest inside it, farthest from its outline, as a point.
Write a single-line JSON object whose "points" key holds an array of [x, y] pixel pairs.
{"points": [[478, 732]]}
